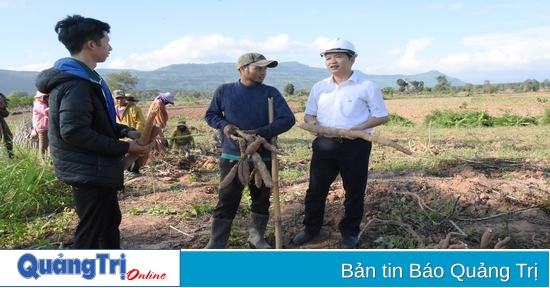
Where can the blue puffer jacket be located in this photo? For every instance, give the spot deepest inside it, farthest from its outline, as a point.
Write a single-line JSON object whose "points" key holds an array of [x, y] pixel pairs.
{"points": [[84, 142]]}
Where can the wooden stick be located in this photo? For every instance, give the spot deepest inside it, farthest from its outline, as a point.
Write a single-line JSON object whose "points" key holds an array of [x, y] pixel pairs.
{"points": [[349, 133], [275, 182]]}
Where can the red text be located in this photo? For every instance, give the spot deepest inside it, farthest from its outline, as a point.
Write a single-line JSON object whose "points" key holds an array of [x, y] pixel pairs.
{"points": [[134, 274]]}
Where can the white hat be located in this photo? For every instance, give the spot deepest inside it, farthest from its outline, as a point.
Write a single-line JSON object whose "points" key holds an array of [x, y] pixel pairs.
{"points": [[339, 45]]}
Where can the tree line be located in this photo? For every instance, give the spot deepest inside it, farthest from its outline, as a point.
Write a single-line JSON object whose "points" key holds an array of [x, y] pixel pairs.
{"points": [[20, 100], [410, 87]]}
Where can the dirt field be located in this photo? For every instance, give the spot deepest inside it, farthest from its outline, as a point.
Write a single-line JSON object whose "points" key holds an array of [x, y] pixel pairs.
{"points": [[402, 208]]}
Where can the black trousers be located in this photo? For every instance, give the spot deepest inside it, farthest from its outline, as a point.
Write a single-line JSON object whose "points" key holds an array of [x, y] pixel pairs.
{"points": [[135, 166], [229, 197], [350, 158], [100, 217], [6, 136]]}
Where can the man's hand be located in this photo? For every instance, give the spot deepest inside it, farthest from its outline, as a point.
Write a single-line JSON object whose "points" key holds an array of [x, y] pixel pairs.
{"points": [[311, 119], [314, 134], [229, 130], [137, 149], [134, 134]]}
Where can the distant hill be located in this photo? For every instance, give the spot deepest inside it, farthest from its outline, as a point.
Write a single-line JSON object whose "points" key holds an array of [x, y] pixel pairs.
{"points": [[206, 77]]}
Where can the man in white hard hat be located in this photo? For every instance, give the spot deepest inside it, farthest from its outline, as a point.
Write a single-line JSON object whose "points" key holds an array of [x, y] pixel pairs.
{"points": [[345, 100]]}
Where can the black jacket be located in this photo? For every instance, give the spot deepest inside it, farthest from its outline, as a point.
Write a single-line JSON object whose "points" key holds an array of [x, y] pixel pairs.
{"points": [[85, 146]]}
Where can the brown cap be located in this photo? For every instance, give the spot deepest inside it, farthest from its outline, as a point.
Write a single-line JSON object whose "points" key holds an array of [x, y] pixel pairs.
{"points": [[131, 99], [255, 59]]}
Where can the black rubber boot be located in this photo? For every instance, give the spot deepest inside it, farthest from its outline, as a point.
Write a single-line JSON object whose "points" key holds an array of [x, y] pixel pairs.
{"points": [[221, 228], [258, 223]]}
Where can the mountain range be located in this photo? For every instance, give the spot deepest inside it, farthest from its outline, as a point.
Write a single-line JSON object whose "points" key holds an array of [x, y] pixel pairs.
{"points": [[206, 77]]}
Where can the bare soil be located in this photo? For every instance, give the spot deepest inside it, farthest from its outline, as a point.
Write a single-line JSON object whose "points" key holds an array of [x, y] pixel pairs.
{"points": [[405, 209]]}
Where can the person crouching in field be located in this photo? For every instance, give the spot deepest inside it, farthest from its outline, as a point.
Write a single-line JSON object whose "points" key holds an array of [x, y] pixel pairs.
{"points": [[180, 141]]}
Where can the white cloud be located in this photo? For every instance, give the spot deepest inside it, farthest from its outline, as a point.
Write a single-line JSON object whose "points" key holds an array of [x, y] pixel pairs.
{"points": [[456, 59], [189, 49], [502, 50], [394, 51], [32, 67], [37, 55], [216, 48], [410, 60], [526, 51]]}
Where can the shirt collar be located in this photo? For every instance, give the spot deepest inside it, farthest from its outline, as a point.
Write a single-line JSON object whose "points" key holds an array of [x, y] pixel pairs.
{"points": [[354, 78], [89, 71]]}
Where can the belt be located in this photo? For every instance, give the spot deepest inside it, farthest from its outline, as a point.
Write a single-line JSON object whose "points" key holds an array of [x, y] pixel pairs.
{"points": [[336, 139]]}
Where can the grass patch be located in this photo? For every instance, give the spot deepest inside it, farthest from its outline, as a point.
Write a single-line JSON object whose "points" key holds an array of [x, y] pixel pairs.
{"points": [[546, 117], [471, 119], [396, 120], [33, 203]]}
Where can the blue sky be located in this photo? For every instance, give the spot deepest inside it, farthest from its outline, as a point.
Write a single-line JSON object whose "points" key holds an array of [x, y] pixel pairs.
{"points": [[473, 40]]}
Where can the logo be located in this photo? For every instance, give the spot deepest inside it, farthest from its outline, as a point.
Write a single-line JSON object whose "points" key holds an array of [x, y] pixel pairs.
{"points": [[29, 266]]}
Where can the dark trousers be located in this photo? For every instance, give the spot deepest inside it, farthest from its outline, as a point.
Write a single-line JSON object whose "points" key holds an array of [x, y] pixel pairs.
{"points": [[350, 158], [99, 215], [229, 197], [135, 166], [6, 136], [43, 143]]}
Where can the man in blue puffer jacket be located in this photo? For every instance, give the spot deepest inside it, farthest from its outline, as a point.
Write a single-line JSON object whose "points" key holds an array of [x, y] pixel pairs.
{"points": [[84, 136]]}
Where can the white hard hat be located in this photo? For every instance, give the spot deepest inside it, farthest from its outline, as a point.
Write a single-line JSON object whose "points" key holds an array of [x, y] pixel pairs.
{"points": [[339, 45]]}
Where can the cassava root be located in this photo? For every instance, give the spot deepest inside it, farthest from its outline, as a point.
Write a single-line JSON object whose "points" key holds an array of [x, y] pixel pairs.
{"points": [[150, 131], [249, 144], [354, 134]]}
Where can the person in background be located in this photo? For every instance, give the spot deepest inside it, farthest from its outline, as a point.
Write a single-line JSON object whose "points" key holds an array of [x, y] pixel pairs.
{"points": [[40, 122], [345, 100], [85, 144], [6, 134], [131, 98], [129, 114], [216, 141], [179, 139], [159, 104], [244, 105]]}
